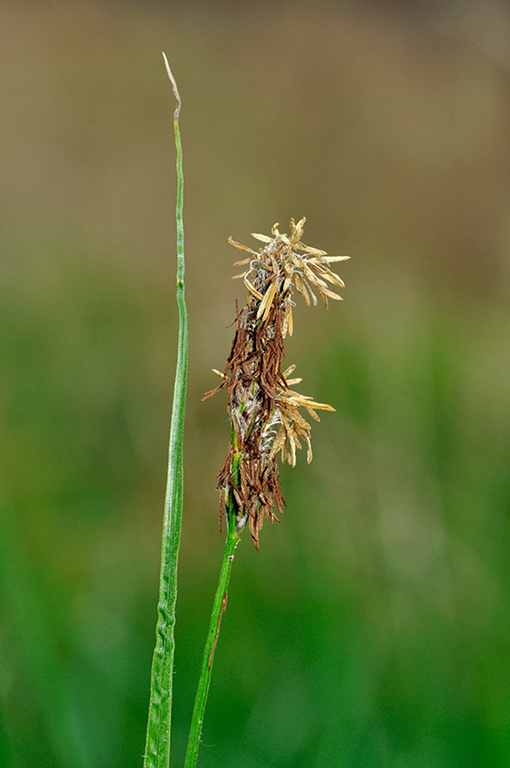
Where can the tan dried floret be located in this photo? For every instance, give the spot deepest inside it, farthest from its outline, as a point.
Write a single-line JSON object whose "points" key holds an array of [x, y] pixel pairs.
{"points": [[286, 268]]}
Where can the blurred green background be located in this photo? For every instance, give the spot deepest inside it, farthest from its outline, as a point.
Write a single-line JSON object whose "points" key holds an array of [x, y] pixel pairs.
{"points": [[372, 629]]}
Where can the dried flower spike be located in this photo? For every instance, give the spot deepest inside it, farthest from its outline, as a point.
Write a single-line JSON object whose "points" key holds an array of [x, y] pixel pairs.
{"points": [[263, 410]]}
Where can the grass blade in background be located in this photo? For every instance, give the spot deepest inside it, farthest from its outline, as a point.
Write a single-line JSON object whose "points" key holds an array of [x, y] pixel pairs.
{"points": [[27, 613], [157, 751]]}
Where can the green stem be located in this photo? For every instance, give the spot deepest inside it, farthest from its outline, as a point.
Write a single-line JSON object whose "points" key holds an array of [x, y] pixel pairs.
{"points": [[157, 750], [220, 603]]}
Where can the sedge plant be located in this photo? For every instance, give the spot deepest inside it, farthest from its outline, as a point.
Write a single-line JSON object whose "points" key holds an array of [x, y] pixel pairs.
{"points": [[266, 423]]}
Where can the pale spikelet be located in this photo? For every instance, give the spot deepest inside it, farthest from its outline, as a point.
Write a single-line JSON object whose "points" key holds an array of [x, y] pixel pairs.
{"points": [[285, 263]]}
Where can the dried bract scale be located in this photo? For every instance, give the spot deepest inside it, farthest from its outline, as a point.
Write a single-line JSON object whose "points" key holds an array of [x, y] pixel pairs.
{"points": [[264, 412]]}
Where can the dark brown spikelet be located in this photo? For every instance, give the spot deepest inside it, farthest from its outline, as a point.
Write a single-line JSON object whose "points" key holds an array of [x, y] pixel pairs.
{"points": [[253, 379]]}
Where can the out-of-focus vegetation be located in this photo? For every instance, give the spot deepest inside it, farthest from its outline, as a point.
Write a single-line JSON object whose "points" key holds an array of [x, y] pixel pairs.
{"points": [[372, 629]]}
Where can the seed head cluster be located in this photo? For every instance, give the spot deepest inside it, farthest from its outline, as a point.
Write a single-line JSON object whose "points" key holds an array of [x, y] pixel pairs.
{"points": [[264, 411]]}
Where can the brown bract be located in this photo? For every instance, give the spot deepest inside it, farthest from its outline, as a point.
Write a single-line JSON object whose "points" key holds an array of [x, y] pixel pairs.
{"points": [[264, 412]]}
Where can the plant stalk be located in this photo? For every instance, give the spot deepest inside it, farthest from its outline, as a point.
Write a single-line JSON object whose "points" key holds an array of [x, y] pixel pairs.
{"points": [[157, 751], [220, 603]]}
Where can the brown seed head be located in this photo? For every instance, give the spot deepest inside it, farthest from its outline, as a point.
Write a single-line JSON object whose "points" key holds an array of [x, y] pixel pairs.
{"points": [[263, 410]]}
